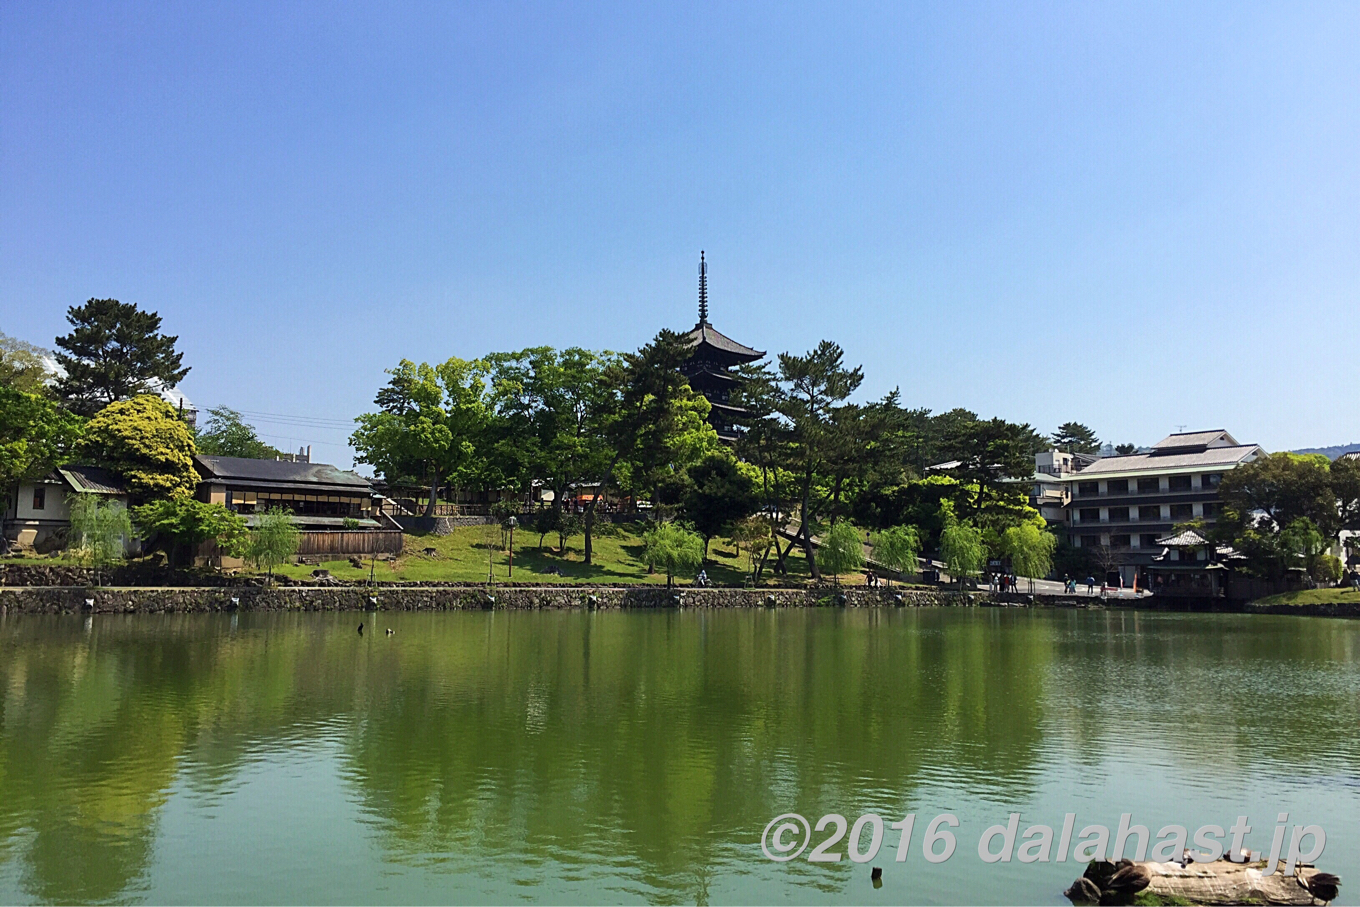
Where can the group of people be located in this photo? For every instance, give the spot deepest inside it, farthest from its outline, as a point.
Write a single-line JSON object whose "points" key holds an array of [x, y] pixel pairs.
{"points": [[1004, 582]]}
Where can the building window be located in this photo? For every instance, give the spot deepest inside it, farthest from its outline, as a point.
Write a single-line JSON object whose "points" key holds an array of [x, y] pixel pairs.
{"points": [[39, 497], [1090, 541], [1211, 480], [1119, 514], [1150, 513], [1090, 515], [1147, 541], [1182, 511], [1210, 510], [1119, 541], [1088, 489], [1149, 486], [1117, 486], [1178, 483]]}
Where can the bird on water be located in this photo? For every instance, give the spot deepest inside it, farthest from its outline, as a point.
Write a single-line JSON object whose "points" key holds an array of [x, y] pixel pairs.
{"points": [[361, 629]]}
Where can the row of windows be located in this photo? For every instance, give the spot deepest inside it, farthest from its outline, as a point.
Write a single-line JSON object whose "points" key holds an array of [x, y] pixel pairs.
{"points": [[1150, 485], [1148, 513]]}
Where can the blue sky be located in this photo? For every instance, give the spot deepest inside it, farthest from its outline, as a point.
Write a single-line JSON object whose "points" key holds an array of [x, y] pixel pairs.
{"points": [[1138, 216]]}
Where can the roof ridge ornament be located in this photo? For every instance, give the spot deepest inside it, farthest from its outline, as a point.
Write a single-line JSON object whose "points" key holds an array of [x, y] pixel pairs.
{"points": [[703, 289]]}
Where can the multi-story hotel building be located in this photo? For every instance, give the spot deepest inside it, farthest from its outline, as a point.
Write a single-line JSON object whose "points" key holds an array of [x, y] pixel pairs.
{"points": [[1125, 504]]}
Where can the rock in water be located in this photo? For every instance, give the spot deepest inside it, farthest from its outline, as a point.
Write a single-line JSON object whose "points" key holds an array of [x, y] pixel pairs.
{"points": [[1083, 891]]}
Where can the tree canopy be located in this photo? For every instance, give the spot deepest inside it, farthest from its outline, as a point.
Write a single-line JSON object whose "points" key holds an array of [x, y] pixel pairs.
{"points": [[115, 351], [673, 548], [144, 441], [36, 435], [897, 548], [226, 434], [430, 425], [22, 366], [183, 523], [719, 496], [1074, 437]]}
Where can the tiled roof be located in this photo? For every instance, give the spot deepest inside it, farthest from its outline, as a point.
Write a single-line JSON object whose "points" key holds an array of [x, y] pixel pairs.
{"points": [[706, 333], [1195, 439], [1213, 456], [272, 471], [1187, 539], [1351, 455], [92, 480]]}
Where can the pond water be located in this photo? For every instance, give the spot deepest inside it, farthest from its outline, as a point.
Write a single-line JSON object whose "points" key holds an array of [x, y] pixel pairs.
{"points": [[637, 757]]}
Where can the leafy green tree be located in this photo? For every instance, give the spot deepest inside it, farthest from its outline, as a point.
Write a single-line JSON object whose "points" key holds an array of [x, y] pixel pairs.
{"points": [[226, 434], [1285, 487], [841, 549], [552, 409], [144, 441], [810, 389], [1301, 541], [897, 548], [1125, 450], [115, 351], [755, 535], [430, 425], [1074, 437], [36, 435], [961, 546], [1344, 474], [273, 540], [1030, 550], [720, 495], [22, 368], [100, 530], [673, 548], [186, 523]]}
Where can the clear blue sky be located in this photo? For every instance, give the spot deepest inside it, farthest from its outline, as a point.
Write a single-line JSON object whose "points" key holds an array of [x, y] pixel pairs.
{"points": [[1138, 216]]}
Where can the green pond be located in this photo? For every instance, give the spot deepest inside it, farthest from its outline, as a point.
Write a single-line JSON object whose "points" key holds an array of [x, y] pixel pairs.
{"points": [[582, 757]]}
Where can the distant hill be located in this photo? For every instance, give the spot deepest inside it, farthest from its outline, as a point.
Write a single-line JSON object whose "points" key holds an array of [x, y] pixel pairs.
{"points": [[1330, 452]]}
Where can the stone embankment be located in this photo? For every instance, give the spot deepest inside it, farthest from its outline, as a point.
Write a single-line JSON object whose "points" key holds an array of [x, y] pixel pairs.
{"points": [[70, 599]]}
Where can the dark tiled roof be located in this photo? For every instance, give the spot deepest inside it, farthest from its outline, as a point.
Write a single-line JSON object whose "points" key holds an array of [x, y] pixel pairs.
{"points": [[706, 333], [1187, 538], [273, 471], [92, 480], [1152, 462]]}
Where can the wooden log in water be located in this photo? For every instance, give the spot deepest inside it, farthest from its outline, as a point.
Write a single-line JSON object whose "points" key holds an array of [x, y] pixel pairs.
{"points": [[1224, 883]]}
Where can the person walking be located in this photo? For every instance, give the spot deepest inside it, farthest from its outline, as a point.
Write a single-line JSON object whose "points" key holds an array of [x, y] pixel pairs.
{"points": [[1090, 585]]}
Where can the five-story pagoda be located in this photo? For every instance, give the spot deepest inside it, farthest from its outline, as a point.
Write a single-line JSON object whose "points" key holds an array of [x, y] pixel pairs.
{"points": [[712, 356]]}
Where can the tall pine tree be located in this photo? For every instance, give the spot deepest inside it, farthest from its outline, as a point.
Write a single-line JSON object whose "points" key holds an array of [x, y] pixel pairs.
{"points": [[115, 351]]}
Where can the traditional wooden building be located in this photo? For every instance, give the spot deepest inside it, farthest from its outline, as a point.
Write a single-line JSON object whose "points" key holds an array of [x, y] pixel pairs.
{"points": [[709, 368]]}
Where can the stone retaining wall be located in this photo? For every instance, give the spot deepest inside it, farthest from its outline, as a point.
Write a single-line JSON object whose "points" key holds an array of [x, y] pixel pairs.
{"points": [[50, 600]]}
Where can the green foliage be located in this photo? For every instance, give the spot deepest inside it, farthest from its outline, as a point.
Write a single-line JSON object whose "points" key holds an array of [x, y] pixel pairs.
{"points": [[273, 540], [144, 441], [841, 549], [755, 535], [35, 436], [1074, 437], [1285, 487], [115, 351], [21, 367], [1125, 450], [1327, 569], [897, 548], [719, 496], [1345, 481], [672, 548], [186, 523], [100, 529], [1030, 550], [226, 434], [430, 427], [961, 546], [350, 523]]}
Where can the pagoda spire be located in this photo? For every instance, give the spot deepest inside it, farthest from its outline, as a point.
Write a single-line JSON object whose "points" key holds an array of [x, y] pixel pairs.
{"points": [[703, 289]]}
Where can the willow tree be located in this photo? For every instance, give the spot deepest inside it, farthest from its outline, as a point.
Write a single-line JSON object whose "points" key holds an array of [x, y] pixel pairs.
{"points": [[841, 550], [897, 548], [961, 546], [1030, 550], [672, 548], [100, 531]]}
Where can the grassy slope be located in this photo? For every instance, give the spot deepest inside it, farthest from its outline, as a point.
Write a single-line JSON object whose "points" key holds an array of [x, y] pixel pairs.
{"points": [[1313, 597], [461, 556]]}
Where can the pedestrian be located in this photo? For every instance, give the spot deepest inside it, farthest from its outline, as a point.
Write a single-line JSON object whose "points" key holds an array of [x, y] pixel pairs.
{"points": [[1090, 585]]}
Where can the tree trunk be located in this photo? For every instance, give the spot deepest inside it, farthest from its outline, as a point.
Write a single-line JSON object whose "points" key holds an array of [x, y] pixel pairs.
{"points": [[590, 524], [434, 493], [705, 560]]}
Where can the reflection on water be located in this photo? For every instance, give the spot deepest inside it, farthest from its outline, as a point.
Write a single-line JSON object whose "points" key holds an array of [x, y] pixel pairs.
{"points": [[636, 757]]}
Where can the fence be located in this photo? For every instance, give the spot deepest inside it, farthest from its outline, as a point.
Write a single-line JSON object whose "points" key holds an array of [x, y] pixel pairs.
{"points": [[349, 541]]}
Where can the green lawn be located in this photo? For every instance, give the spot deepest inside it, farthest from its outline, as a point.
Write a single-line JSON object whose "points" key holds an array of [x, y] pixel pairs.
{"points": [[1313, 597], [462, 556]]}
